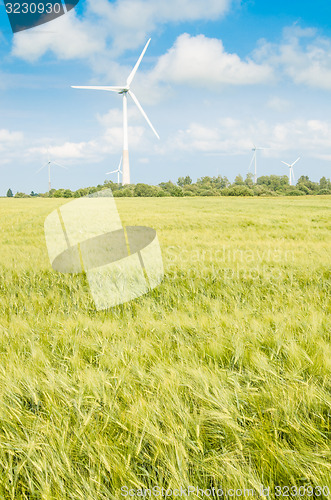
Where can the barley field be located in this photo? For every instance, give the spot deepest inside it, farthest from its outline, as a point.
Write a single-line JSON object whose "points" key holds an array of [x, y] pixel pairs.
{"points": [[219, 378]]}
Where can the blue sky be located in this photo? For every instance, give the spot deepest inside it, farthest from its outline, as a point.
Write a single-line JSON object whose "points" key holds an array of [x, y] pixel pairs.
{"points": [[214, 81]]}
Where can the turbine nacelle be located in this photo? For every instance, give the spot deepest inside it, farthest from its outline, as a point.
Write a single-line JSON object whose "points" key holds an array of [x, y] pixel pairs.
{"points": [[290, 165], [124, 90]]}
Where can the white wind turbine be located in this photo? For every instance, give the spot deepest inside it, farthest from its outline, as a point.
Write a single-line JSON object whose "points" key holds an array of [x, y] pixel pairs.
{"points": [[255, 149], [124, 90], [118, 171], [290, 165], [48, 164]]}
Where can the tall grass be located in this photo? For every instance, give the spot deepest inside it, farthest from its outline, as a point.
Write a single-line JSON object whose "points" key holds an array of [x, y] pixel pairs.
{"points": [[220, 377]]}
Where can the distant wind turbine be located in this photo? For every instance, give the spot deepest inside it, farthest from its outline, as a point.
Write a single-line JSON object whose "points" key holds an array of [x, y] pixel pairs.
{"points": [[118, 171], [255, 149], [290, 165], [124, 90], [48, 164]]}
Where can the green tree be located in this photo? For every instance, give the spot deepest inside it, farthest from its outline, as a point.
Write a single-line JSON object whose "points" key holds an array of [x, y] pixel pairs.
{"points": [[239, 181], [125, 192], [219, 182], [144, 190], [276, 183], [249, 179], [58, 193], [239, 190], [184, 181], [190, 190], [305, 181], [325, 184], [21, 195], [80, 192], [10, 193], [205, 181], [170, 188]]}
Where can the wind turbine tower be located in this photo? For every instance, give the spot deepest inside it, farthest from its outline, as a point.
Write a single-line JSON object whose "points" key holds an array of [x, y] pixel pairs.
{"points": [[290, 165], [255, 149], [49, 164], [125, 90]]}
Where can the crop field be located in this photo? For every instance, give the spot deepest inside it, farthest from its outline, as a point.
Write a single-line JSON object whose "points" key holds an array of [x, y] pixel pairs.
{"points": [[218, 378]]}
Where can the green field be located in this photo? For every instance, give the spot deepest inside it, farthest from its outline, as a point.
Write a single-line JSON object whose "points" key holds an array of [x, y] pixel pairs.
{"points": [[220, 377]]}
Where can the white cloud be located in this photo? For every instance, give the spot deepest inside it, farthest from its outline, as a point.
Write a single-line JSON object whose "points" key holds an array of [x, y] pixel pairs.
{"points": [[278, 104], [201, 61], [72, 150], [132, 21], [67, 37], [109, 141], [311, 137], [302, 56], [115, 116], [10, 143], [68, 151], [107, 28], [8, 137]]}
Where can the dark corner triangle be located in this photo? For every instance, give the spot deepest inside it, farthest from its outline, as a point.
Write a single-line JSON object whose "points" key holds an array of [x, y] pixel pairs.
{"points": [[70, 4], [26, 14]]}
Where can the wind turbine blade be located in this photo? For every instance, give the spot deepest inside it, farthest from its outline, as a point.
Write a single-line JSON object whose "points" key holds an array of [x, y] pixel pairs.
{"points": [[111, 89], [286, 163], [293, 175], [133, 72], [58, 164], [296, 161], [112, 172], [143, 113], [42, 168]]}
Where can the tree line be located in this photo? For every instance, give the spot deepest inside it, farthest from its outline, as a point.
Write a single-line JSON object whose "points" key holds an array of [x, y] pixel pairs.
{"points": [[266, 185]]}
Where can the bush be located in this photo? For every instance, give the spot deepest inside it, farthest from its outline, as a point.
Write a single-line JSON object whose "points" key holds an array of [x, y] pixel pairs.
{"points": [[239, 191], [176, 191], [21, 195], [170, 188], [209, 192], [59, 193], [123, 193], [193, 190], [295, 192], [160, 192], [80, 192], [141, 189], [324, 191], [225, 192], [303, 188]]}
